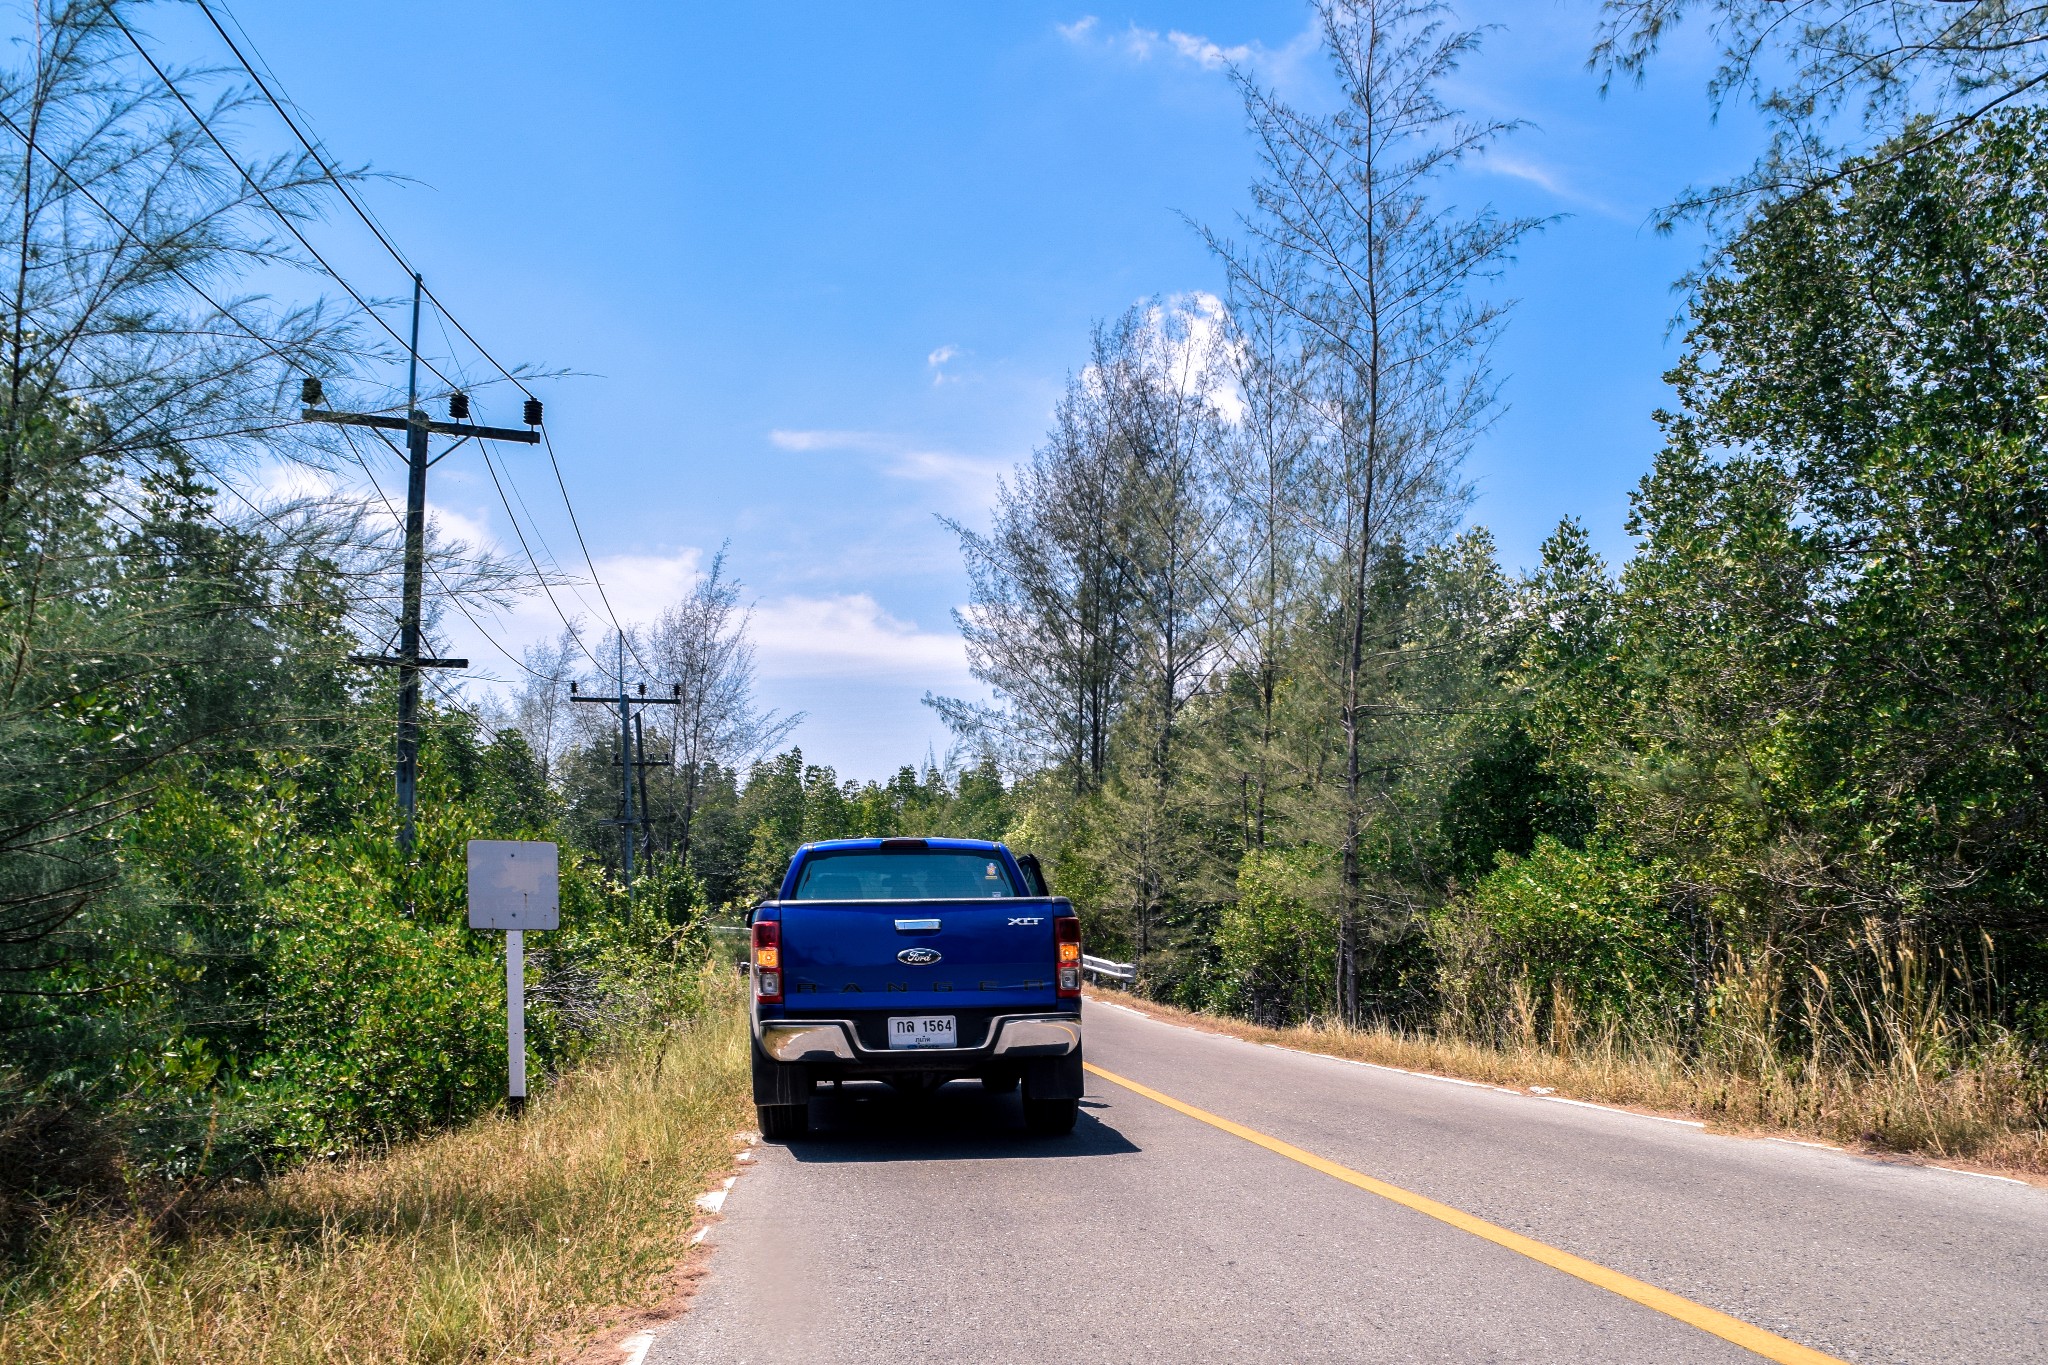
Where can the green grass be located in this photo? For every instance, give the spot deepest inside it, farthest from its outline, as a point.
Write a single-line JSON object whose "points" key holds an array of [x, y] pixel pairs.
{"points": [[505, 1240]]}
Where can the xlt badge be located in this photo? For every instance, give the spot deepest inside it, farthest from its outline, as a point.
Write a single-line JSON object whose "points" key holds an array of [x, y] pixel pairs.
{"points": [[1027, 919], [918, 957]]}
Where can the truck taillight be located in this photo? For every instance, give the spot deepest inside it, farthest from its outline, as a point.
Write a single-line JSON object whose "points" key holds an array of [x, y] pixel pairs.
{"points": [[1066, 932], [768, 961]]}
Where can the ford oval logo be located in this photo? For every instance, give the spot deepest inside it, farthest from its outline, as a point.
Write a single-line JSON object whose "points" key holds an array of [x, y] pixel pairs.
{"points": [[918, 957]]}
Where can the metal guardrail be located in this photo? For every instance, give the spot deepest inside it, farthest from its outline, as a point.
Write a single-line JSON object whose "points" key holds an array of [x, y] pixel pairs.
{"points": [[1115, 971]]}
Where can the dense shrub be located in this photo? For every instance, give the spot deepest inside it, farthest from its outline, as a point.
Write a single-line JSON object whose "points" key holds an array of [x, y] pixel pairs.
{"points": [[1278, 946], [1561, 936]]}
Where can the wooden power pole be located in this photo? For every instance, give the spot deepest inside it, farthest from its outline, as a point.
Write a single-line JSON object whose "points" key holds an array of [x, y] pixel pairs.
{"points": [[630, 763], [417, 428]]}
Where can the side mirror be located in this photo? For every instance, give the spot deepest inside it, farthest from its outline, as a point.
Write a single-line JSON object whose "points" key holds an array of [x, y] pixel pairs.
{"points": [[1034, 874]]}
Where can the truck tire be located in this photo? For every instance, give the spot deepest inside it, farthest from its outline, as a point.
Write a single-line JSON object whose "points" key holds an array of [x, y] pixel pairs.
{"points": [[783, 1122], [781, 1083], [1050, 1118]]}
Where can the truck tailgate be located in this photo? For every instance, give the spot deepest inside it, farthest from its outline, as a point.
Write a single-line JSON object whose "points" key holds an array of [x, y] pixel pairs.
{"points": [[918, 955]]}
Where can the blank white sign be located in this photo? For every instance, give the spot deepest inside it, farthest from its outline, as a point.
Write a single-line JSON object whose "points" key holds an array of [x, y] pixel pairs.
{"points": [[514, 884]]}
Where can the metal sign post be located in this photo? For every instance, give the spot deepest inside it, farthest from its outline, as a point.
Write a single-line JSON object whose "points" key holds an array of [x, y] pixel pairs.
{"points": [[515, 886]]}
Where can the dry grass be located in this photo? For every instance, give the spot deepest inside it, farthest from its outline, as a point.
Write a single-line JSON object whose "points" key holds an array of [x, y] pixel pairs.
{"points": [[1985, 1114], [502, 1241]]}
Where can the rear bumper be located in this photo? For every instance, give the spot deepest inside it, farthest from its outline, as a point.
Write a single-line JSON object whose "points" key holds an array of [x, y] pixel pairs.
{"points": [[823, 1042]]}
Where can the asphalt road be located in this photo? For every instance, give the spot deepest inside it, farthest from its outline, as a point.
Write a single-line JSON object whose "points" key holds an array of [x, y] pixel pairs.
{"points": [[938, 1231]]}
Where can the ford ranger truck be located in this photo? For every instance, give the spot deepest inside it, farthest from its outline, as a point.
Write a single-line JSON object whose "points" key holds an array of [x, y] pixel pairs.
{"points": [[917, 962]]}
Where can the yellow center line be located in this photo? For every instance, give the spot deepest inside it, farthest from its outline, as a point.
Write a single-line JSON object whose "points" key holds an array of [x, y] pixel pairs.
{"points": [[1766, 1344]]}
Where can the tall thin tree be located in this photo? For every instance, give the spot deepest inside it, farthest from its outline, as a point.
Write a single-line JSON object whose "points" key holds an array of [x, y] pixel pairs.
{"points": [[1349, 245]]}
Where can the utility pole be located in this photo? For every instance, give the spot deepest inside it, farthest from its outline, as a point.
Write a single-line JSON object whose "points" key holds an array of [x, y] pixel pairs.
{"points": [[630, 764], [640, 769], [408, 661]]}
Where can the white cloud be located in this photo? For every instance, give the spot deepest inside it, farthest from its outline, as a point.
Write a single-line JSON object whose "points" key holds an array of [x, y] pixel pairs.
{"points": [[1206, 54], [1281, 65], [975, 477], [937, 360], [637, 586], [289, 481], [457, 528], [827, 440], [972, 479], [849, 635], [1497, 162], [640, 586], [1187, 337], [1518, 169]]}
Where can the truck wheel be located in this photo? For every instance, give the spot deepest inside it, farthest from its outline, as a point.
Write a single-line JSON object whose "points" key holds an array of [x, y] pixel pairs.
{"points": [[783, 1122], [1050, 1118]]}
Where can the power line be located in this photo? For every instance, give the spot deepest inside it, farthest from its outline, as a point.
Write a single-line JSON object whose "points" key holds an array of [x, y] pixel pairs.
{"points": [[400, 257], [452, 595], [491, 468], [540, 576], [305, 142], [549, 446], [136, 237], [282, 217], [220, 309], [360, 211]]}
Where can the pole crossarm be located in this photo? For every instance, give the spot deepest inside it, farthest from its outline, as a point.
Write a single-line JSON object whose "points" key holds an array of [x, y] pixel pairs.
{"points": [[630, 701], [394, 661], [383, 423]]}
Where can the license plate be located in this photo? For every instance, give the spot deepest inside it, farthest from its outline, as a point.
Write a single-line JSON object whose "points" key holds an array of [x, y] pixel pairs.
{"points": [[922, 1030]]}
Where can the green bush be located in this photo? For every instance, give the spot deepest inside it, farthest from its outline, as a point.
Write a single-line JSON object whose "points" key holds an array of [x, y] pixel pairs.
{"points": [[1278, 943], [383, 1023], [1559, 938], [387, 1012]]}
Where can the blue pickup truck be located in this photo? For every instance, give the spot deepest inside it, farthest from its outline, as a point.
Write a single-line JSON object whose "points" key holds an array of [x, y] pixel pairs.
{"points": [[916, 962]]}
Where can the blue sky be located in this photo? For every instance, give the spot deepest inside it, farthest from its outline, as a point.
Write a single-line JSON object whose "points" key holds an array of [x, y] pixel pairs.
{"points": [[820, 272]]}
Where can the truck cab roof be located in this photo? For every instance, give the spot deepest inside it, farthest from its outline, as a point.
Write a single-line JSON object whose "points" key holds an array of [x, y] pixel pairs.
{"points": [[907, 845], [982, 848]]}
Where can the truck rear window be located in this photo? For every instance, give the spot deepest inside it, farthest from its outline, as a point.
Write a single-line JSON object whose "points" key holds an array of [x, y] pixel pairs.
{"points": [[863, 875]]}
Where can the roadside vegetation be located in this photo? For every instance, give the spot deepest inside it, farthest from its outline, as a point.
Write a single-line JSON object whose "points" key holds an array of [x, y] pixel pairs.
{"points": [[250, 1053], [1985, 1115], [503, 1240], [1753, 825]]}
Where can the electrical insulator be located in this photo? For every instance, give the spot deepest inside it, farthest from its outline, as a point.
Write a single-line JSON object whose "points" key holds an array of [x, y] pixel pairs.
{"points": [[533, 412], [572, 689], [458, 407], [309, 392], [643, 689]]}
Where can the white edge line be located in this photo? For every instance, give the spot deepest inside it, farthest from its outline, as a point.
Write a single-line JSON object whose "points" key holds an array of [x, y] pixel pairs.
{"points": [[1482, 1085], [698, 1235], [712, 1202], [1397, 1070], [636, 1347], [1610, 1109], [1795, 1142], [1981, 1175]]}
